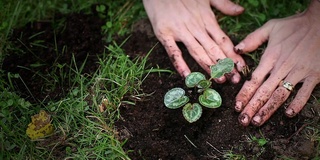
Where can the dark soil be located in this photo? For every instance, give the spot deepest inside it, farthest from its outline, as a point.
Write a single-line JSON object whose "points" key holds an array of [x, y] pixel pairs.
{"points": [[156, 132], [42, 46], [152, 131]]}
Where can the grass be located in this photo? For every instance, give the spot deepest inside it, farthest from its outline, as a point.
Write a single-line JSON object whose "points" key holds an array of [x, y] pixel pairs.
{"points": [[82, 130], [80, 126], [312, 133], [120, 19], [230, 155]]}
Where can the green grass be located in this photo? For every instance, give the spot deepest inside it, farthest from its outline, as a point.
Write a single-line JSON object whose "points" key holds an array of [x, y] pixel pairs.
{"points": [[81, 130], [230, 155], [119, 20], [78, 121], [312, 133]]}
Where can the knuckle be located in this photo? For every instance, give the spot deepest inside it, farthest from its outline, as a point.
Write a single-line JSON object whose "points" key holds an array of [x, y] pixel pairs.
{"points": [[300, 100], [175, 52], [271, 22], [255, 77], [280, 94], [223, 41], [264, 90], [195, 50]]}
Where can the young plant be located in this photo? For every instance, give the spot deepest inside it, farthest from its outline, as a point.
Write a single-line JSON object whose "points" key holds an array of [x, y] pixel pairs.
{"points": [[176, 98]]}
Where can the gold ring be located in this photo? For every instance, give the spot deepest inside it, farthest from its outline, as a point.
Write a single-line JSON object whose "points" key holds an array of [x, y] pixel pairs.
{"points": [[287, 85]]}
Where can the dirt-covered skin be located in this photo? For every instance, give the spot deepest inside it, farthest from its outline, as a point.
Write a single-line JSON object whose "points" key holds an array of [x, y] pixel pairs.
{"points": [[152, 130]]}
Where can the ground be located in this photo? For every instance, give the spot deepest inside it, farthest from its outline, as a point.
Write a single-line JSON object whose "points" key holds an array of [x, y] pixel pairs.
{"points": [[153, 131]]}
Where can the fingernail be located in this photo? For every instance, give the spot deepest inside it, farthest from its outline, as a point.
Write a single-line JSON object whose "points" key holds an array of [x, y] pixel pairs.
{"points": [[235, 79], [238, 48], [256, 120], [238, 106], [220, 79], [244, 119], [238, 9], [289, 112], [239, 66], [185, 73]]}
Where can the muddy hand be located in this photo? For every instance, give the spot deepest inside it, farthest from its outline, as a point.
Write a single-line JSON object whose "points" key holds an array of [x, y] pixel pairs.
{"points": [[194, 24], [292, 56]]}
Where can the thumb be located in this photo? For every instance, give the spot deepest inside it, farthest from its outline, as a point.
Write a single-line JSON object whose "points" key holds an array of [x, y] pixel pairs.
{"points": [[227, 7], [254, 39]]}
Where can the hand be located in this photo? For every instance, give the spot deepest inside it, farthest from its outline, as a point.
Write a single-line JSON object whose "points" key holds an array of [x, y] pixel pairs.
{"points": [[193, 23], [292, 55]]}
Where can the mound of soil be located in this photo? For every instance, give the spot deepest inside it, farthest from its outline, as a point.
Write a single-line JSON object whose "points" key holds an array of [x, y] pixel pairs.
{"points": [[152, 131]]}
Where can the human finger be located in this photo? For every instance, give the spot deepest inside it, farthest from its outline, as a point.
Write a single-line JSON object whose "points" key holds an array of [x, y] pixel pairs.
{"points": [[275, 101], [302, 96], [202, 48], [227, 7], [175, 55], [234, 76], [196, 50], [227, 46], [223, 44], [263, 94], [248, 89], [258, 76], [255, 39], [277, 98], [212, 50]]}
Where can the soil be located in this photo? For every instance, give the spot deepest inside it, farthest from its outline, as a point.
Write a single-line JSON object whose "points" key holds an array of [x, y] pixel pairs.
{"points": [[153, 131], [35, 57]]}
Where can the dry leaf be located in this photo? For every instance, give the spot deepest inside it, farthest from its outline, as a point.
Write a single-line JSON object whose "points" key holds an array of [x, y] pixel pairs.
{"points": [[40, 126]]}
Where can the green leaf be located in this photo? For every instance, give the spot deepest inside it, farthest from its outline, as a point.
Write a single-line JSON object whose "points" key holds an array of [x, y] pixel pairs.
{"points": [[204, 84], [264, 3], [100, 8], [255, 3], [210, 98], [261, 17], [222, 67], [109, 24], [9, 102], [262, 142], [192, 112], [175, 98], [194, 78]]}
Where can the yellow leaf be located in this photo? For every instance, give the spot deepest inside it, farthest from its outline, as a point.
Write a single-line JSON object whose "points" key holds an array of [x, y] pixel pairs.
{"points": [[40, 126]]}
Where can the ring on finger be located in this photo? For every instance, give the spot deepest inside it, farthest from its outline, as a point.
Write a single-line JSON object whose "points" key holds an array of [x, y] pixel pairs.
{"points": [[287, 85]]}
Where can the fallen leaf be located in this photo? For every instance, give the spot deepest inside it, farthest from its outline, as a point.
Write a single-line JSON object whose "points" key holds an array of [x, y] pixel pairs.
{"points": [[40, 126]]}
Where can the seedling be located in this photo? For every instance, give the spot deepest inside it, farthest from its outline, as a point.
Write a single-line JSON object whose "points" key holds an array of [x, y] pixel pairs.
{"points": [[176, 98]]}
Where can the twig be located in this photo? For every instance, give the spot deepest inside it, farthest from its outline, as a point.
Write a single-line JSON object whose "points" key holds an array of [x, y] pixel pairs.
{"points": [[190, 141], [298, 131], [214, 148]]}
